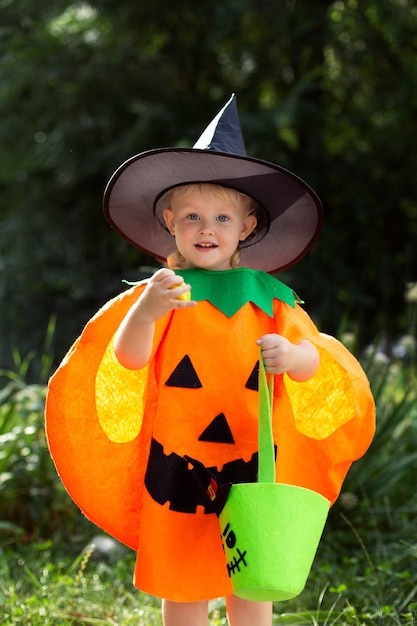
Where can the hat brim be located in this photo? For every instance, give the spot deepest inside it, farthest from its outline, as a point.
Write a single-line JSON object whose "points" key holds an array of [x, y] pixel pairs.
{"points": [[294, 210]]}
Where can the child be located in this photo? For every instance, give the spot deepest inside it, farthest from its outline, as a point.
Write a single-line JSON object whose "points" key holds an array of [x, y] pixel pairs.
{"points": [[213, 213]]}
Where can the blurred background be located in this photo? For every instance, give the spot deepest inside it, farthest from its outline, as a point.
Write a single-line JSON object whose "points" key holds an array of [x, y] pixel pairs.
{"points": [[327, 89]]}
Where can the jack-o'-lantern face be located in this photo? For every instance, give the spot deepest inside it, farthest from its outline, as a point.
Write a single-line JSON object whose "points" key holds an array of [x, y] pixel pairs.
{"points": [[170, 478]]}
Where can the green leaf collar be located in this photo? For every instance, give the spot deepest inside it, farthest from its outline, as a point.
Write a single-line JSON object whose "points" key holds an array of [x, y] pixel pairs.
{"points": [[230, 290]]}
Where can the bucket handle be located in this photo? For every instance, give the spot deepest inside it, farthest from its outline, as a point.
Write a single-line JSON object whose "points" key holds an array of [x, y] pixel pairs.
{"points": [[266, 461]]}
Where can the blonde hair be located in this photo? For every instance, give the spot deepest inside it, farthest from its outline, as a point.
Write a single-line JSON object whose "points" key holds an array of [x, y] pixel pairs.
{"points": [[237, 199]]}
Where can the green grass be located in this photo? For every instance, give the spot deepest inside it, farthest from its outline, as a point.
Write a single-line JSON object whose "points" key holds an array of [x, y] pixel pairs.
{"points": [[41, 584]]}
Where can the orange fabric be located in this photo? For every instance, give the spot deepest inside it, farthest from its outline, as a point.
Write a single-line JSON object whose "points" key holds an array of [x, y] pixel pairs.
{"points": [[100, 476], [103, 458]]}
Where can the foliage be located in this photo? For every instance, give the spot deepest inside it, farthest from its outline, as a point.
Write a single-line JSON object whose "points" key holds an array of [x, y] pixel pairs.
{"points": [[368, 574], [33, 501], [43, 585], [327, 89], [393, 452]]}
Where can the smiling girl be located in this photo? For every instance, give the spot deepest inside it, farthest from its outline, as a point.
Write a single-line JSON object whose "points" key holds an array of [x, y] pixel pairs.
{"points": [[187, 369]]}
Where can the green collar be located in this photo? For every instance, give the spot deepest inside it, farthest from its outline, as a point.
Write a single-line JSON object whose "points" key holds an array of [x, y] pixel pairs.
{"points": [[230, 290]]}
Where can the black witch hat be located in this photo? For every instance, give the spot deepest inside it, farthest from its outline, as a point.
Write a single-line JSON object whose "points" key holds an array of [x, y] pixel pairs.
{"points": [[293, 212]]}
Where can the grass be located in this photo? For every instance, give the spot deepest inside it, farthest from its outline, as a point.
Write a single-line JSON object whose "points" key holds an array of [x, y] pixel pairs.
{"points": [[40, 584]]}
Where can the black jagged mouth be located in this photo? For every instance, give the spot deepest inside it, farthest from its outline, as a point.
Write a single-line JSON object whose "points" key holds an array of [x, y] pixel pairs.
{"points": [[170, 478]]}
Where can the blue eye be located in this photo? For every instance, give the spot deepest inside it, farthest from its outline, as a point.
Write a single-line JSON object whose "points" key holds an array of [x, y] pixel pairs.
{"points": [[223, 218], [192, 216]]}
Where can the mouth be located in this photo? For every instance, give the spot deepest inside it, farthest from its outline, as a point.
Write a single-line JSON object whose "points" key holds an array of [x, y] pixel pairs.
{"points": [[170, 478], [206, 246]]}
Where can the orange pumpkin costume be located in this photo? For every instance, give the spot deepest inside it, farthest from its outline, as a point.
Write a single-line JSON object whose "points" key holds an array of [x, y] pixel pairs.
{"points": [[118, 437]]}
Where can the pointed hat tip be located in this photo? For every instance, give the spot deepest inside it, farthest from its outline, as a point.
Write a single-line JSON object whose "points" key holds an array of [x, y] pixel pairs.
{"points": [[224, 134]]}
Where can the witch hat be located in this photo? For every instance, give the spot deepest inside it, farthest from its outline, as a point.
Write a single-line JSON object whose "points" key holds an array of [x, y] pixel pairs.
{"points": [[292, 211]]}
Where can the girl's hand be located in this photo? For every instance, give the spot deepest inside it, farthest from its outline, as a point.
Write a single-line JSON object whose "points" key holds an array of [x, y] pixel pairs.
{"points": [[162, 294], [133, 340], [300, 361]]}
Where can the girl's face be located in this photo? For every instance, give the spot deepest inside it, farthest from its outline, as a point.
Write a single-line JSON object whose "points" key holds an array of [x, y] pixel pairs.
{"points": [[207, 228]]}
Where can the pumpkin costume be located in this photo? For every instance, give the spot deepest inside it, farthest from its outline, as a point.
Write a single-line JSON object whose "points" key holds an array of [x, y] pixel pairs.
{"points": [[119, 437]]}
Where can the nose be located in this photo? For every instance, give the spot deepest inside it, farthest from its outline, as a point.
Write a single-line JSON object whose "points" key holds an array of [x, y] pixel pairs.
{"points": [[206, 227]]}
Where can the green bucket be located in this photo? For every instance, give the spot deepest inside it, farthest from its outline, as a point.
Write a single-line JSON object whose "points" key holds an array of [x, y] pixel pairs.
{"points": [[270, 531], [270, 534]]}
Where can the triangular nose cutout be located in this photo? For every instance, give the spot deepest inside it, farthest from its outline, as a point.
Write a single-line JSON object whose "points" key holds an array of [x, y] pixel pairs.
{"points": [[184, 375], [218, 431]]}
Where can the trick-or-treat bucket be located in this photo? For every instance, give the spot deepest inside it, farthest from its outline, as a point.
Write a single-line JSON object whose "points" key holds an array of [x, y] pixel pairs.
{"points": [[270, 534], [270, 531]]}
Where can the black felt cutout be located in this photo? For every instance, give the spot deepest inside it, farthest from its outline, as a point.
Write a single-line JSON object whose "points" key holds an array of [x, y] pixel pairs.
{"points": [[184, 375], [218, 431], [170, 478], [252, 382]]}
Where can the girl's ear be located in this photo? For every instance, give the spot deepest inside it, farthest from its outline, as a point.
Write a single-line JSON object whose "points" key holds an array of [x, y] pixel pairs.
{"points": [[169, 220], [249, 225]]}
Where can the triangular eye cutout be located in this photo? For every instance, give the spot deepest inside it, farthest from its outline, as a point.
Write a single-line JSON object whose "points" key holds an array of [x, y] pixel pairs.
{"points": [[252, 382], [184, 375], [218, 431]]}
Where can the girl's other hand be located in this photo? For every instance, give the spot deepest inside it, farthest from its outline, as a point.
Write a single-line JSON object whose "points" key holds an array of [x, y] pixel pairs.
{"points": [[300, 361]]}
